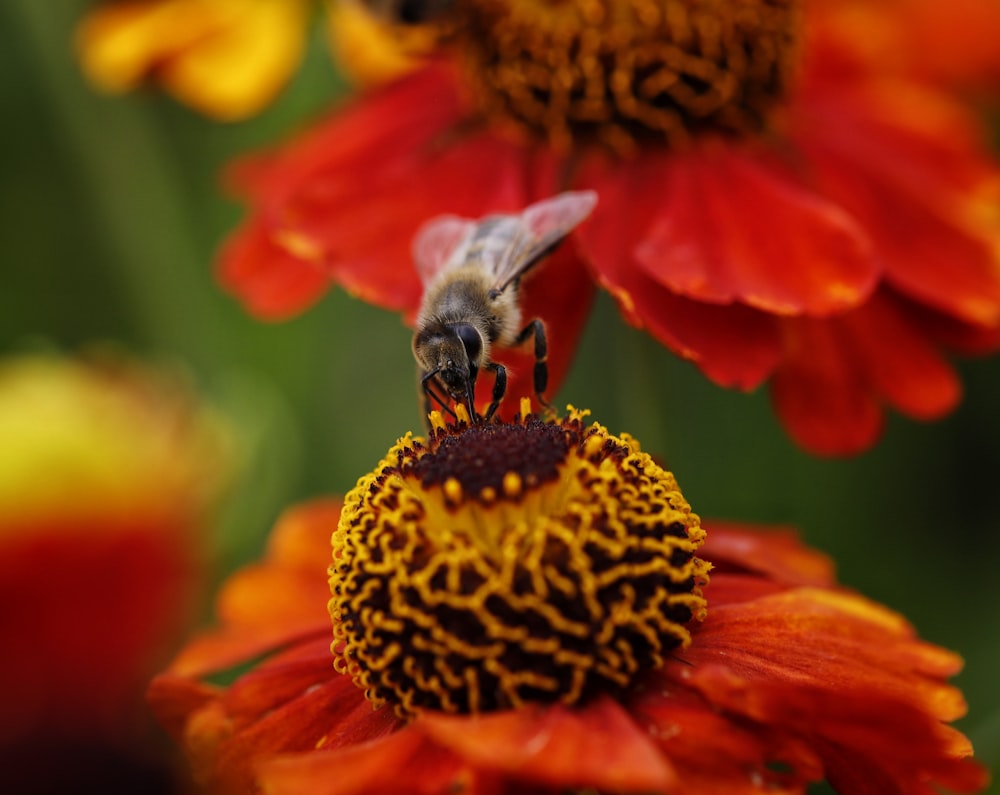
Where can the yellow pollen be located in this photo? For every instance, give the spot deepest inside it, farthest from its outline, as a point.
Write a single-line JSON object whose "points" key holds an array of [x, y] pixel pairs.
{"points": [[626, 71], [592, 447], [493, 565], [453, 490], [512, 484]]}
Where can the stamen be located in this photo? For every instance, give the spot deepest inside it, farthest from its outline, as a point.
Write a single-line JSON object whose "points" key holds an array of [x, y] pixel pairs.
{"points": [[453, 490], [626, 71], [495, 564]]}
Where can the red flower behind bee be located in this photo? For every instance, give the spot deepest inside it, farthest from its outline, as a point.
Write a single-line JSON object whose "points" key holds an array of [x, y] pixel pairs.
{"points": [[860, 202]]}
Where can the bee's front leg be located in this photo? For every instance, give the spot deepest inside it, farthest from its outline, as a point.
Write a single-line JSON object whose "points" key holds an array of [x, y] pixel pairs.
{"points": [[429, 394]]}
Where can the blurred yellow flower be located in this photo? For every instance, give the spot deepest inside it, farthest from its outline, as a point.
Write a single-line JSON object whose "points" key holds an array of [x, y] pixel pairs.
{"points": [[225, 58], [228, 59], [370, 50]]}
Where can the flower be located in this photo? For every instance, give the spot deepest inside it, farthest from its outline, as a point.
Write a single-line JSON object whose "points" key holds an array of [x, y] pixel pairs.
{"points": [[227, 59], [524, 607], [107, 473], [769, 194]]}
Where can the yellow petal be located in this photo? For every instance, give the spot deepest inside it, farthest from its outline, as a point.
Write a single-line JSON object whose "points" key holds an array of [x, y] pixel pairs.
{"points": [[93, 442], [225, 58], [372, 51]]}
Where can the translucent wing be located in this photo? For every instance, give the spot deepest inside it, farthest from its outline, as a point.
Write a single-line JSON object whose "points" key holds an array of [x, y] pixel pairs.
{"points": [[506, 245], [538, 230], [441, 241]]}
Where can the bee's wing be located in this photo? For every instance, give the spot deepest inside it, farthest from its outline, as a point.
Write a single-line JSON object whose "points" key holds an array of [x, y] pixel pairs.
{"points": [[507, 245], [441, 241], [540, 228]]}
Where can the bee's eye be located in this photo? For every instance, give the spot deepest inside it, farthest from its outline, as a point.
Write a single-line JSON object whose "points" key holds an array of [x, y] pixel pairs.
{"points": [[472, 341]]}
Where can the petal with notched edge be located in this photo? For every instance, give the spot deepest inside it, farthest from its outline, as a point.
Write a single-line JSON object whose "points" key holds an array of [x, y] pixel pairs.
{"points": [[733, 228], [735, 346], [598, 746]]}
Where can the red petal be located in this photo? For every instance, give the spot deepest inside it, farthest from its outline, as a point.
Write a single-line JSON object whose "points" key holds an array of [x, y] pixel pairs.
{"points": [[273, 283], [820, 393], [899, 362], [950, 332], [402, 762], [907, 164], [280, 679], [851, 640], [301, 537], [848, 773], [404, 115], [310, 707], [731, 228], [174, 698], [836, 371], [840, 671], [351, 193], [716, 755], [366, 232], [735, 346], [776, 554], [599, 746], [956, 41], [273, 603]]}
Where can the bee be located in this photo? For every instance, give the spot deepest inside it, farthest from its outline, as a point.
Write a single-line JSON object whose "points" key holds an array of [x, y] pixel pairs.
{"points": [[471, 272]]}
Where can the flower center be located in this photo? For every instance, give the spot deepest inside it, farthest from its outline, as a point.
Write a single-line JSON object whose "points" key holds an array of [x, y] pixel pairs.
{"points": [[626, 71], [492, 565]]}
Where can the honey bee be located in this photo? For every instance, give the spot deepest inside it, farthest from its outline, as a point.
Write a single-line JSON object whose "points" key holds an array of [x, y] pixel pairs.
{"points": [[471, 271]]}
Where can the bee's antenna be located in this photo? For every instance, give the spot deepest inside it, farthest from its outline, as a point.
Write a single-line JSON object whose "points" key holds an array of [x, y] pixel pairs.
{"points": [[425, 382]]}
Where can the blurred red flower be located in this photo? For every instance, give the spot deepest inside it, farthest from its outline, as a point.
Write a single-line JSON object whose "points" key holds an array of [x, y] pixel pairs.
{"points": [[775, 203], [107, 473]]}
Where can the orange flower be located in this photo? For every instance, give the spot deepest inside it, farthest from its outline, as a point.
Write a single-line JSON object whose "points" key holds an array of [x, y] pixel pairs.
{"points": [[226, 58], [521, 607], [769, 197], [106, 474]]}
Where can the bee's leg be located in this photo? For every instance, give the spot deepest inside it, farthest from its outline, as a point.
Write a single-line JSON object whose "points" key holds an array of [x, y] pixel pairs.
{"points": [[541, 373], [426, 385], [423, 395], [499, 388], [470, 398]]}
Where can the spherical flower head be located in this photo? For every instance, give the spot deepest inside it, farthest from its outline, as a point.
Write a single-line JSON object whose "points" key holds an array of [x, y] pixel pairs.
{"points": [[493, 565]]}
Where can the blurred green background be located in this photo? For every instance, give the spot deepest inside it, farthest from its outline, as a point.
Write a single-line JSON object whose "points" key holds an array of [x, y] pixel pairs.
{"points": [[109, 216]]}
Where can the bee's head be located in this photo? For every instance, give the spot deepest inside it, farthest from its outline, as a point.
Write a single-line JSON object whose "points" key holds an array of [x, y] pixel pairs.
{"points": [[459, 359], [453, 353]]}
